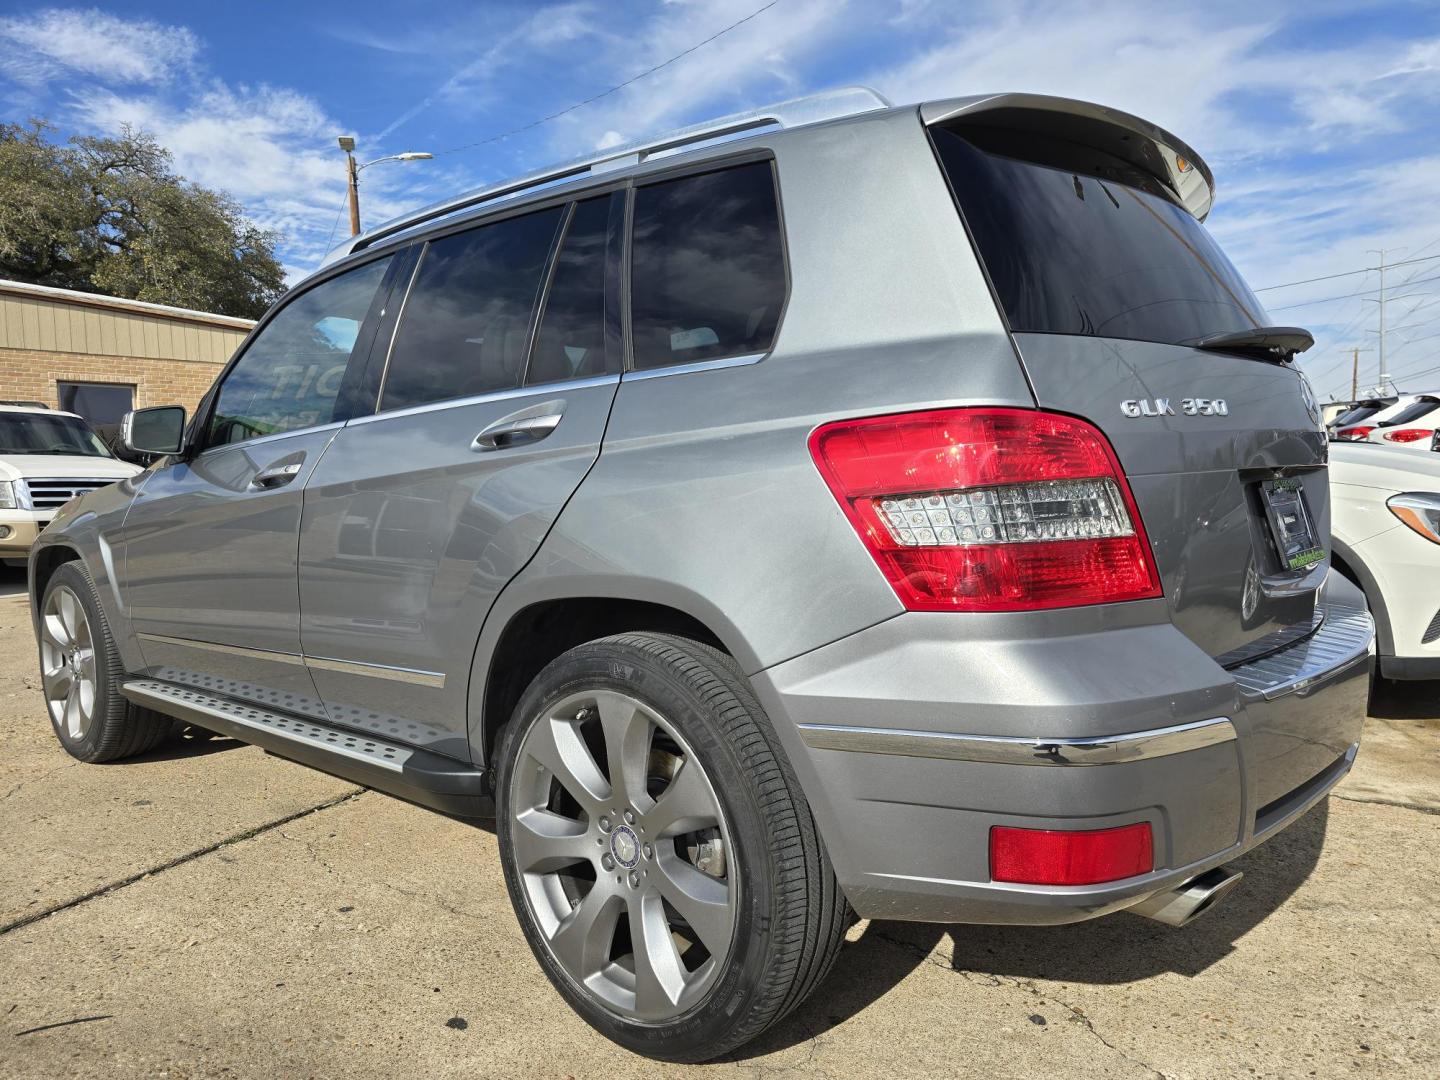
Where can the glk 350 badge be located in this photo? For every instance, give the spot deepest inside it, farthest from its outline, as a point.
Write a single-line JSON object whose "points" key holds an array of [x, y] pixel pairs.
{"points": [[1162, 406]]}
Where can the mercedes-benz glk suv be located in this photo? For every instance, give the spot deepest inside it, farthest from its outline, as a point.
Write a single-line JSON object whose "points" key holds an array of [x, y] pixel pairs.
{"points": [[834, 510]]}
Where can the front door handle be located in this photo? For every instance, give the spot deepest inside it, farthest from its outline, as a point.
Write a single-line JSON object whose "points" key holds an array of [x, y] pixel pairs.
{"points": [[275, 476], [510, 432]]}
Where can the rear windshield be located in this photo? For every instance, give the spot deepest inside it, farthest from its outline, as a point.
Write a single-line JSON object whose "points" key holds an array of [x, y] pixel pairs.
{"points": [[1358, 413], [1412, 412], [1079, 242]]}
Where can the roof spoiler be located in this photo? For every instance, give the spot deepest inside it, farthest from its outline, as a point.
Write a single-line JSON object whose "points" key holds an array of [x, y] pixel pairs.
{"points": [[1136, 141]]}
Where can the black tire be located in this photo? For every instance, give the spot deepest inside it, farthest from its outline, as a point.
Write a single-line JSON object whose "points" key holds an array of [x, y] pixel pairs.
{"points": [[790, 918], [116, 729]]}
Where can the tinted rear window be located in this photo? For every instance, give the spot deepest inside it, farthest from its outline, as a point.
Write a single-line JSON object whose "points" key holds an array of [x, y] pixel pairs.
{"points": [[1412, 412], [1079, 242], [707, 267], [1358, 413]]}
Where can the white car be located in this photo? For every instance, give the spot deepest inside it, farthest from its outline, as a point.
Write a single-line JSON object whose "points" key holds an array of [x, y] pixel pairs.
{"points": [[1411, 426], [1385, 536], [46, 459]]}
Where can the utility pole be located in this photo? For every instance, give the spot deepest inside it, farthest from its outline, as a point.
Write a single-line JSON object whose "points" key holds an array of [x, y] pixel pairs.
{"points": [[1384, 384], [347, 143], [1355, 352]]}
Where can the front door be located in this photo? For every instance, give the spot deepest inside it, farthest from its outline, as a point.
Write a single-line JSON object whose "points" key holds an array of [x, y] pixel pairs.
{"points": [[210, 564], [419, 515]]}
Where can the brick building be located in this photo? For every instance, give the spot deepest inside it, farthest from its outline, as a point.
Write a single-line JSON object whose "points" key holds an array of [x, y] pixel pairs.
{"points": [[100, 356]]}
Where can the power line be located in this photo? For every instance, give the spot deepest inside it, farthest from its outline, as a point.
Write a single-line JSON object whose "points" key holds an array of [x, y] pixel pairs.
{"points": [[1347, 273], [606, 93], [1346, 296]]}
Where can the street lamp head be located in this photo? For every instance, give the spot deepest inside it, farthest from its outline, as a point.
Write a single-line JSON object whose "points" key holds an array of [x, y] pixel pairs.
{"points": [[413, 155], [347, 143]]}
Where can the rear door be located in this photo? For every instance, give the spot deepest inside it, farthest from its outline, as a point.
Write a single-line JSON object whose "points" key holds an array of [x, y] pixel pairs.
{"points": [[1107, 282], [488, 419], [210, 572]]}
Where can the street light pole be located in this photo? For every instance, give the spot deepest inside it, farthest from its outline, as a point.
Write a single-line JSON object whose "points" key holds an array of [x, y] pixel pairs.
{"points": [[352, 174]]}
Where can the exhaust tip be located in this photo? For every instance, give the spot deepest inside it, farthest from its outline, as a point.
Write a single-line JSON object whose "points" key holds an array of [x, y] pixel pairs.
{"points": [[1186, 903]]}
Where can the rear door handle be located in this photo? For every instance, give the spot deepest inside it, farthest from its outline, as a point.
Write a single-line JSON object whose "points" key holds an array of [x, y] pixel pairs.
{"points": [[276, 476], [512, 431]]}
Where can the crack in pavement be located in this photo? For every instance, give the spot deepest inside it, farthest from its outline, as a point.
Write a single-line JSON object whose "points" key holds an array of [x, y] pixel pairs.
{"points": [[180, 860], [990, 979], [1432, 810]]}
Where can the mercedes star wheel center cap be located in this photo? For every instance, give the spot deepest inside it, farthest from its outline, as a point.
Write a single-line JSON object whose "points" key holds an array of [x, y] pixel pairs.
{"points": [[625, 846]]}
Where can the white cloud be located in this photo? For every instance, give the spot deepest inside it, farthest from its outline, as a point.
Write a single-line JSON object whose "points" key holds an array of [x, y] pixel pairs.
{"points": [[41, 47]]}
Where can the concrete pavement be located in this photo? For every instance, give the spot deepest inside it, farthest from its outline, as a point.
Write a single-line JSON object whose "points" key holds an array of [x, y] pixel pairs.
{"points": [[211, 911]]}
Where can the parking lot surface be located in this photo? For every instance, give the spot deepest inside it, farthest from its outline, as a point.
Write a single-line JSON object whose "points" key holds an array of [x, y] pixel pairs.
{"points": [[208, 910]]}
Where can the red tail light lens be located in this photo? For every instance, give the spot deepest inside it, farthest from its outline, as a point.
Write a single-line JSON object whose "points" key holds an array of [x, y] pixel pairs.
{"points": [[989, 509], [1045, 857], [1406, 435], [1354, 434]]}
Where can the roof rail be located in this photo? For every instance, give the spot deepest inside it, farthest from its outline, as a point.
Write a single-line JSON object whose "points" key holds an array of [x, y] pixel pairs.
{"points": [[830, 105]]}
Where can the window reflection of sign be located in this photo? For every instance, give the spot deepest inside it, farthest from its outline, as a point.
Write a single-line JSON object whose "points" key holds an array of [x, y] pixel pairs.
{"points": [[299, 382]]}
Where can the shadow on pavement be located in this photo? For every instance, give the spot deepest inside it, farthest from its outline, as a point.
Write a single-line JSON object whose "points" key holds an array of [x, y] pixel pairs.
{"points": [[1391, 700], [12, 580], [1111, 950], [186, 746]]}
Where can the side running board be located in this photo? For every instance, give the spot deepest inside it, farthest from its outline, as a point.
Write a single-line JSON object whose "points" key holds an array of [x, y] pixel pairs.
{"points": [[420, 776]]}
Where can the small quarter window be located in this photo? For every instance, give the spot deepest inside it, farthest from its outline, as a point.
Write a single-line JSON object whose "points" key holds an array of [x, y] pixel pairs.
{"points": [[707, 267], [290, 375], [466, 323]]}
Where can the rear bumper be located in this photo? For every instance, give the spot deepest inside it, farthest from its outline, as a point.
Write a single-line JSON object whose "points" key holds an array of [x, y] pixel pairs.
{"points": [[913, 738]]}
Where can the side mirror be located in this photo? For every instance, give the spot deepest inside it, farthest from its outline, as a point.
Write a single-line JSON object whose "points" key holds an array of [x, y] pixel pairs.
{"points": [[160, 430]]}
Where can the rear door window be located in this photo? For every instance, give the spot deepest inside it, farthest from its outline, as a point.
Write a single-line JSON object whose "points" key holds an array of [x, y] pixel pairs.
{"points": [[707, 267], [466, 323], [578, 337], [1079, 242]]}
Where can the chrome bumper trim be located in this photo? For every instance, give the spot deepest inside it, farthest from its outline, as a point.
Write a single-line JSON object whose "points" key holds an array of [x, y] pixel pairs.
{"points": [[1004, 750], [1345, 639]]}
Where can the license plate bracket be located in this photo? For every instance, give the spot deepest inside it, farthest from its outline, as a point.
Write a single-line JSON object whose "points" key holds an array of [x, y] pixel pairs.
{"points": [[1291, 525]]}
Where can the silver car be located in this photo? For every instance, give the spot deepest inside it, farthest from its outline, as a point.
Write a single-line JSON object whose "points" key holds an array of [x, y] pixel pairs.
{"points": [[836, 510]]}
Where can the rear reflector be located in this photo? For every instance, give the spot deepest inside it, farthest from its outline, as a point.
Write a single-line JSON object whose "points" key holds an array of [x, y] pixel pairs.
{"points": [[1046, 857], [1406, 435], [989, 509]]}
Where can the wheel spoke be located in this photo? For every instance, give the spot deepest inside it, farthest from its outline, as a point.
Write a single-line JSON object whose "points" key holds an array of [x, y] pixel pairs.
{"points": [[704, 901], [582, 940], [70, 614], [74, 721], [659, 975], [685, 805], [628, 731], [82, 634], [556, 744], [57, 680], [546, 841], [52, 628]]}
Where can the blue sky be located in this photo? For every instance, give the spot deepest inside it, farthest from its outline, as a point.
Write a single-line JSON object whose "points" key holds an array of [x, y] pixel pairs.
{"points": [[1318, 118]]}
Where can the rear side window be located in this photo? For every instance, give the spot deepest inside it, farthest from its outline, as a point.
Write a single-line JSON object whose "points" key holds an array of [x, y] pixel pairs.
{"points": [[466, 322], [290, 375], [1079, 242], [707, 276], [579, 329]]}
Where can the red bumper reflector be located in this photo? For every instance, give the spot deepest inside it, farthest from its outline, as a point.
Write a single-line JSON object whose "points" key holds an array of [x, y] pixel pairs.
{"points": [[1051, 857]]}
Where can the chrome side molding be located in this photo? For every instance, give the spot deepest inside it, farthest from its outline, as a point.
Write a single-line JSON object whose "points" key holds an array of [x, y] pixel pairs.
{"points": [[414, 676], [1005, 750]]}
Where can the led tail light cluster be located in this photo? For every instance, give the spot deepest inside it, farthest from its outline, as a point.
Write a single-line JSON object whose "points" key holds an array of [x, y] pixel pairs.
{"points": [[1406, 435], [1354, 434], [989, 509]]}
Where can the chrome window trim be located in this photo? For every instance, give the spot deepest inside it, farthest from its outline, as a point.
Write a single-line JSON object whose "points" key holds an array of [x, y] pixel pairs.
{"points": [[259, 440], [698, 365], [537, 389], [414, 676], [1008, 750]]}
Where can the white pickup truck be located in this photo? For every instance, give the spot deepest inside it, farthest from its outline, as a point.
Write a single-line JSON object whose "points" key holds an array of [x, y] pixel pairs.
{"points": [[47, 458]]}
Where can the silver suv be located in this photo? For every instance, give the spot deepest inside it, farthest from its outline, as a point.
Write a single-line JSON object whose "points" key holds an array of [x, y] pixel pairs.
{"points": [[833, 510]]}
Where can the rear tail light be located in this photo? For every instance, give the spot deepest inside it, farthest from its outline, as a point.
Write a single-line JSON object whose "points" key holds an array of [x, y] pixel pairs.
{"points": [[1046, 857], [1353, 434], [989, 509], [1406, 435]]}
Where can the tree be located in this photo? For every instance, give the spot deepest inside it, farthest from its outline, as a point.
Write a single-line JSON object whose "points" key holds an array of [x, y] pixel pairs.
{"points": [[110, 215]]}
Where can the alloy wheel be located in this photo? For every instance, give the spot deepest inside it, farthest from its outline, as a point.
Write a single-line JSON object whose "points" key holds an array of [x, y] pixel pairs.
{"points": [[623, 855], [67, 653]]}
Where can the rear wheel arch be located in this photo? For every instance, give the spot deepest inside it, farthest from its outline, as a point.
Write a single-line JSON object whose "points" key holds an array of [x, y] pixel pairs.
{"points": [[542, 631], [1344, 560]]}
